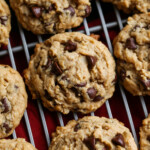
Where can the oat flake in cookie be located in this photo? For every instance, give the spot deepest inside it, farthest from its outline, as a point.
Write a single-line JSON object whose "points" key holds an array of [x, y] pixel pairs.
{"points": [[130, 6], [145, 134], [5, 26], [50, 16], [71, 72], [93, 133], [13, 100], [15, 144], [132, 48]]}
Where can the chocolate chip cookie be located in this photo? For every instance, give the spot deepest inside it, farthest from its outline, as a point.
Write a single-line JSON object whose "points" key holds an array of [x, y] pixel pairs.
{"points": [[129, 6], [93, 133], [145, 134], [5, 26], [16, 144], [132, 48], [71, 72], [13, 100], [49, 16]]}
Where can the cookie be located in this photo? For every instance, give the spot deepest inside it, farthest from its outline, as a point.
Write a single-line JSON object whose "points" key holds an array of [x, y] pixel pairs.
{"points": [[13, 100], [16, 144], [93, 133], [132, 48], [129, 6], [5, 26], [71, 72], [49, 16], [145, 134]]}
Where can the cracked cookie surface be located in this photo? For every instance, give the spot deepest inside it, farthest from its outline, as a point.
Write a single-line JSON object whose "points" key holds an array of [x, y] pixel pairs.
{"points": [[50, 16], [93, 133], [5, 26], [13, 100], [138, 6], [132, 48], [71, 72], [15, 144], [145, 134]]}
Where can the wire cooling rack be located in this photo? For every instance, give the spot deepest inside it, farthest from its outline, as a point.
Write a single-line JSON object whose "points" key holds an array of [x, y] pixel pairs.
{"points": [[123, 106]]}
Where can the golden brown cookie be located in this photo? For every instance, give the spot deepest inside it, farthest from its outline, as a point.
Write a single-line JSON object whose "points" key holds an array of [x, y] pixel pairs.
{"points": [[71, 72]]}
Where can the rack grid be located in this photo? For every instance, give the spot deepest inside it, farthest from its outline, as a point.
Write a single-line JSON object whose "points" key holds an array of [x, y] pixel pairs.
{"points": [[87, 30]]}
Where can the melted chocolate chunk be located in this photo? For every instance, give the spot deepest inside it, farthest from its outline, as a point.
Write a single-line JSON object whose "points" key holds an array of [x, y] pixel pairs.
{"points": [[7, 128], [49, 62], [91, 92], [87, 11], [37, 11], [70, 46], [97, 98], [77, 127], [119, 140], [16, 87], [91, 61], [71, 9], [106, 148], [64, 77], [3, 20], [131, 44], [90, 143], [5, 105], [51, 7], [47, 95], [56, 69], [81, 84], [146, 83]]}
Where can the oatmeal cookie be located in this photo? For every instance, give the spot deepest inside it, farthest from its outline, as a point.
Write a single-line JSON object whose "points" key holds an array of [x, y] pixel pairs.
{"points": [[13, 100], [93, 133], [71, 72], [129, 6], [16, 144], [50, 16], [5, 26], [132, 48]]}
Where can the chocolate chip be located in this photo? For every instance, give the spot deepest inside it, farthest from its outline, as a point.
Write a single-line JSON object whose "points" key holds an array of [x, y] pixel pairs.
{"points": [[90, 143], [70, 46], [119, 140], [146, 83], [3, 20], [16, 87], [64, 77], [148, 9], [37, 11], [122, 74], [91, 92], [51, 7], [131, 44], [106, 148], [5, 105], [56, 69], [87, 11], [7, 128], [148, 138], [91, 61], [77, 127], [47, 95], [71, 9], [81, 84], [97, 98], [49, 62]]}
